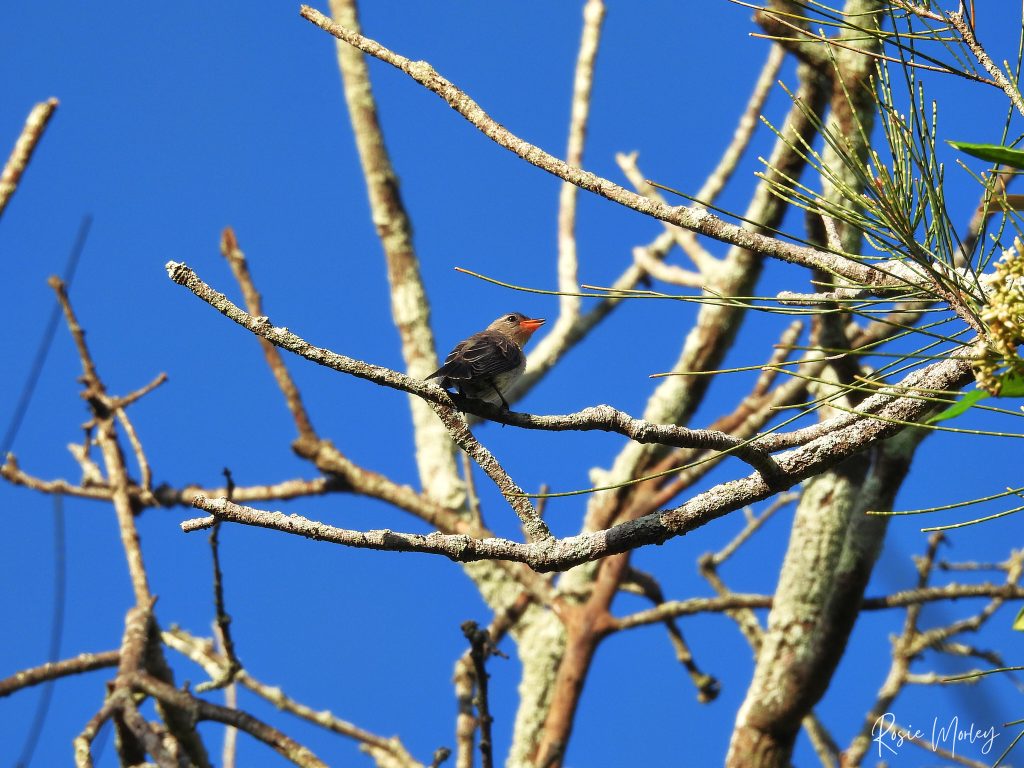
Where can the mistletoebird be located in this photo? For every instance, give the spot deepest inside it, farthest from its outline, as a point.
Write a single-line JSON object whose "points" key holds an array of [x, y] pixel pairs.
{"points": [[486, 364]]}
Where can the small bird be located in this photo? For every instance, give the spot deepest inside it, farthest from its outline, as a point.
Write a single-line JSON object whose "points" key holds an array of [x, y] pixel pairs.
{"points": [[490, 361]]}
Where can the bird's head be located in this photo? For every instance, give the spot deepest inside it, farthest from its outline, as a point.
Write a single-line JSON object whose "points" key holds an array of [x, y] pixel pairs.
{"points": [[517, 326]]}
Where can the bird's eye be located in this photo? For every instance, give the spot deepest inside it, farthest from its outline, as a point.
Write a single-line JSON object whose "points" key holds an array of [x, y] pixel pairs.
{"points": [[511, 318]]}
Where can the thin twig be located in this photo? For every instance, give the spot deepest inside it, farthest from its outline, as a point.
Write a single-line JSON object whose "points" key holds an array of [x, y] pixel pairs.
{"points": [[480, 649], [145, 473], [536, 529], [645, 584], [698, 220], [602, 417], [899, 667], [83, 742], [754, 523], [254, 304], [842, 440], [745, 127], [229, 749], [113, 458], [222, 621], [45, 341], [568, 279], [20, 156], [132, 397], [465, 722], [965, 29], [166, 496], [553, 347], [85, 662], [928, 745], [202, 653], [707, 265], [198, 709]]}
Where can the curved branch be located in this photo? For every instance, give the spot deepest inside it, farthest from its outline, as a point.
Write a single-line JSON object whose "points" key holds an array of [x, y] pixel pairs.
{"points": [[671, 609], [879, 416], [198, 709], [216, 664], [695, 219], [85, 662], [602, 417], [883, 416]]}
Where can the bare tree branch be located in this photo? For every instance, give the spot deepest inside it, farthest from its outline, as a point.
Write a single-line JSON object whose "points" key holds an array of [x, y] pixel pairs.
{"points": [[235, 258], [965, 29], [698, 220], [198, 709], [410, 307], [20, 156], [745, 128], [113, 458], [480, 650], [215, 664], [655, 528], [84, 662], [222, 621], [597, 418], [568, 280]]}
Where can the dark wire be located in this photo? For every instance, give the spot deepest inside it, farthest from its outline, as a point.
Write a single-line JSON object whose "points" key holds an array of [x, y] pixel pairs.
{"points": [[45, 342], [59, 539], [56, 632], [99, 744]]}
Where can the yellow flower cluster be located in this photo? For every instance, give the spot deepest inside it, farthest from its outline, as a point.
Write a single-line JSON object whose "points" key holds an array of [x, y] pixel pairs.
{"points": [[1004, 315]]}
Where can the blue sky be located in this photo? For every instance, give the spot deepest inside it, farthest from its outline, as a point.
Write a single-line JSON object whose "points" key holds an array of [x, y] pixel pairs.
{"points": [[177, 120]]}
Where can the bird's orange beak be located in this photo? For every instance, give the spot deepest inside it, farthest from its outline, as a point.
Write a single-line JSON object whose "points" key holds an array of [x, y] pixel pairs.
{"points": [[530, 325]]}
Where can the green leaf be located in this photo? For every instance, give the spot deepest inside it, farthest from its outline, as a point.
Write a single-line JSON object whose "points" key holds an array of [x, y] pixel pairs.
{"points": [[994, 153], [1011, 385], [959, 407], [1018, 623]]}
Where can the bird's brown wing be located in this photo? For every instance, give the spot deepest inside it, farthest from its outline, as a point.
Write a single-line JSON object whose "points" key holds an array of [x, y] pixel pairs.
{"points": [[482, 356]]}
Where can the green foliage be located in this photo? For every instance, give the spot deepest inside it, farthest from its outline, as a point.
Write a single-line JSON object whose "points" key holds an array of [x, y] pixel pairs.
{"points": [[993, 153], [961, 406], [1018, 623]]}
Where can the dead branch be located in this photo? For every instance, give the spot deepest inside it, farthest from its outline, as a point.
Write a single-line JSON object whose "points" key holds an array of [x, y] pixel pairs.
{"points": [[20, 156]]}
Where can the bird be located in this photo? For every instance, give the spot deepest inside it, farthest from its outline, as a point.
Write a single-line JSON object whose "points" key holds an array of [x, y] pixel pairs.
{"points": [[486, 364]]}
